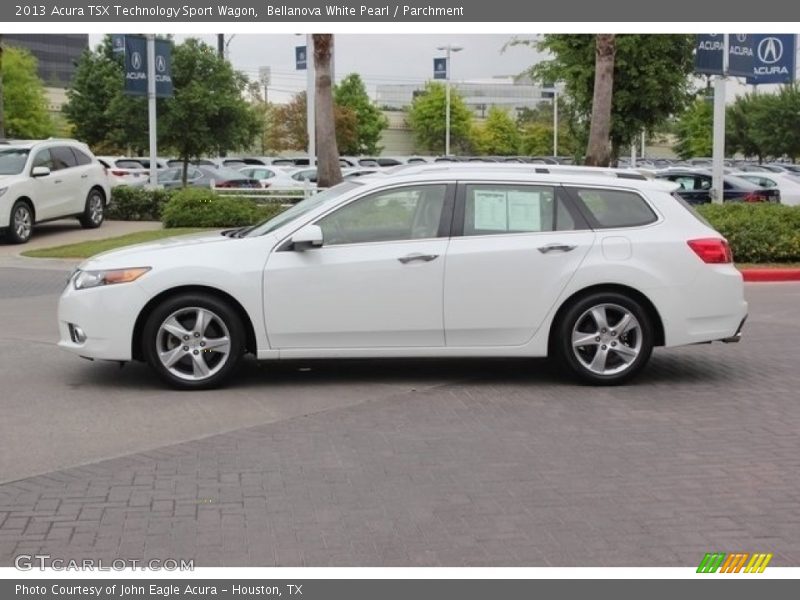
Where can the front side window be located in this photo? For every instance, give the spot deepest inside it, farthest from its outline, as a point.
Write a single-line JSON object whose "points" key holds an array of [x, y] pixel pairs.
{"points": [[616, 208], [408, 213], [492, 209], [43, 159]]}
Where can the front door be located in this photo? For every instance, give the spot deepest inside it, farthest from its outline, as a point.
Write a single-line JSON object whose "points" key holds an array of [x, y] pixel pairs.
{"points": [[375, 283]]}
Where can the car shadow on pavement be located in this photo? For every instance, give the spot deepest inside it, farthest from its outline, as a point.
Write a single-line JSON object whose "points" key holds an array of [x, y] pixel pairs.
{"points": [[672, 369]]}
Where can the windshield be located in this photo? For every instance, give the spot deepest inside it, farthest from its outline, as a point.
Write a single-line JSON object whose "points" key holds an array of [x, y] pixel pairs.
{"points": [[12, 160], [301, 208]]}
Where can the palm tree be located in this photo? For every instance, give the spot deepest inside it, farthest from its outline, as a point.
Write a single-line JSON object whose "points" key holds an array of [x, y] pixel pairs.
{"points": [[328, 170], [2, 106], [598, 152]]}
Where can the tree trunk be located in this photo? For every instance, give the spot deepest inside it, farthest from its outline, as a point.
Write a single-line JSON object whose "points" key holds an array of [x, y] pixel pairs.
{"points": [[329, 172], [2, 105], [597, 151]]}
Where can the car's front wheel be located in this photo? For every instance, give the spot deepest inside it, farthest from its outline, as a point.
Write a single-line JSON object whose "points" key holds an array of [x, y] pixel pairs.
{"points": [[193, 341], [605, 338], [20, 226], [94, 211]]}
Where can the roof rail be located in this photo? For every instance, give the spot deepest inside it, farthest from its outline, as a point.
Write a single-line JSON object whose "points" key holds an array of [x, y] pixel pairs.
{"points": [[517, 167]]}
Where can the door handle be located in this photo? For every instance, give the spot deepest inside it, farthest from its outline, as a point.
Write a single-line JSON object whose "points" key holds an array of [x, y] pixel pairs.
{"points": [[84, 176], [421, 257], [556, 247], [57, 181]]}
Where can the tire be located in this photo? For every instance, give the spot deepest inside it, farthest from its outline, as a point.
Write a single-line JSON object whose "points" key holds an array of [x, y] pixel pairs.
{"points": [[590, 346], [189, 357], [94, 212], [20, 224]]}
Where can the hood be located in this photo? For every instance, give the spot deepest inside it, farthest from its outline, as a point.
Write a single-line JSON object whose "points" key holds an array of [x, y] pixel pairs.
{"points": [[138, 253]]}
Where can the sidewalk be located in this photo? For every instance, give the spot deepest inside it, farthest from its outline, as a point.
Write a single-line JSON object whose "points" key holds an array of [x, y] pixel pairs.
{"points": [[65, 231]]}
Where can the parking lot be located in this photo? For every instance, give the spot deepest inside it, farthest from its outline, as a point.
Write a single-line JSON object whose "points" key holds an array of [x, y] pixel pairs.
{"points": [[442, 463]]}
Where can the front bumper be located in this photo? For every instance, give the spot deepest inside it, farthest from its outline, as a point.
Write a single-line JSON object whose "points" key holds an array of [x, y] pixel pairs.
{"points": [[106, 315]]}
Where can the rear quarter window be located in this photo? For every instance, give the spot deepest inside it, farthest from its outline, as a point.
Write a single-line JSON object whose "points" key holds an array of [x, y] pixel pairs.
{"points": [[615, 208]]}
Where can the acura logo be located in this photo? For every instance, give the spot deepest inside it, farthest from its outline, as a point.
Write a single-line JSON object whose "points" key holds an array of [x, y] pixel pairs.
{"points": [[136, 61], [741, 37], [161, 64], [770, 50]]}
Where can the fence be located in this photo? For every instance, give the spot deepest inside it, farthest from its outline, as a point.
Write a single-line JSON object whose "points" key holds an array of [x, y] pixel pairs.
{"points": [[283, 195]]}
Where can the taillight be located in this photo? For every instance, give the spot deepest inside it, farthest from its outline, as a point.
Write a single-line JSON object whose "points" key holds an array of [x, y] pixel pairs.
{"points": [[119, 173], [712, 250], [223, 184], [755, 197]]}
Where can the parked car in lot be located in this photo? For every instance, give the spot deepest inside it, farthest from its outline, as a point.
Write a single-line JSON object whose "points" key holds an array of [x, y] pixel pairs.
{"points": [[125, 171], [695, 187], [593, 270], [271, 177], [788, 185], [204, 176], [46, 180]]}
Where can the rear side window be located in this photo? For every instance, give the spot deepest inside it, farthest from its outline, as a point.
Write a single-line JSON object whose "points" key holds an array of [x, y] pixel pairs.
{"points": [[616, 208], [63, 158], [81, 157], [492, 209]]}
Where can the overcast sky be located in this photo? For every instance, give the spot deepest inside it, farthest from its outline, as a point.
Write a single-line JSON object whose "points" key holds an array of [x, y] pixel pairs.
{"points": [[379, 59]]}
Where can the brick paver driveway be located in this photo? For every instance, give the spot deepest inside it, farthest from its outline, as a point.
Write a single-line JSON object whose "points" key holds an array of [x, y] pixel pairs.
{"points": [[407, 463]]}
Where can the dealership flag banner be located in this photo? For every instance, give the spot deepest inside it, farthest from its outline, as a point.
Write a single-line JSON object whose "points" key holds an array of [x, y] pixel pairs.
{"points": [[440, 68], [136, 66], [773, 59]]}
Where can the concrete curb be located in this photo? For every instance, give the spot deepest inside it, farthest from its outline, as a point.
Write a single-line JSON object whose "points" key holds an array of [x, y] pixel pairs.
{"points": [[767, 275]]}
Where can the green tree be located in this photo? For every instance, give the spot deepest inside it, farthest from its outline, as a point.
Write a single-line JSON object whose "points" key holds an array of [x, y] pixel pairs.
{"points": [[24, 99], [426, 117], [740, 133], [100, 113], [694, 128], [498, 135], [208, 113], [776, 121], [536, 130], [370, 121], [652, 78], [286, 128]]}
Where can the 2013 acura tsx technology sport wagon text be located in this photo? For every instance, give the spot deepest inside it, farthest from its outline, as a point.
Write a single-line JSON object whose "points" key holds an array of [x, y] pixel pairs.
{"points": [[591, 267]]}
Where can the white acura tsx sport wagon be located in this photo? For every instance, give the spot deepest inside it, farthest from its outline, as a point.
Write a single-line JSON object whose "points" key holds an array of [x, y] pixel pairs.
{"points": [[592, 268]]}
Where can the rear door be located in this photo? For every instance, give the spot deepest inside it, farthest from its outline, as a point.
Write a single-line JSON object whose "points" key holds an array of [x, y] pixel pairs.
{"points": [[68, 176], [514, 249]]}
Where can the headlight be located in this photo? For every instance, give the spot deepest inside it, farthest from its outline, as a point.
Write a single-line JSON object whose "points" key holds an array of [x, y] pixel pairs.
{"points": [[89, 279]]}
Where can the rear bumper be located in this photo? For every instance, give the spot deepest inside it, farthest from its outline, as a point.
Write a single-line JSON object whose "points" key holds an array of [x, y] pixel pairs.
{"points": [[736, 337]]}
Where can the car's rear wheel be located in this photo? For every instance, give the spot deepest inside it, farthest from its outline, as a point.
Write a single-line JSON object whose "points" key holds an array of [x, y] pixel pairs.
{"points": [[20, 225], [193, 341], [605, 338], [94, 213]]}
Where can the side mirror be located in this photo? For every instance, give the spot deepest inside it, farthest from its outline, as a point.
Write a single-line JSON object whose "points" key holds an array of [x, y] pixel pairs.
{"points": [[309, 236], [40, 171]]}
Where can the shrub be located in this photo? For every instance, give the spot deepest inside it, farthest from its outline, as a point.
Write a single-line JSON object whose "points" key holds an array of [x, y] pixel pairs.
{"points": [[137, 204], [200, 207], [757, 233]]}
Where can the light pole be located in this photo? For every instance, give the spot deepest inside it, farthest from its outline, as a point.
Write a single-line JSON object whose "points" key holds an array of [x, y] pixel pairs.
{"points": [[448, 49]]}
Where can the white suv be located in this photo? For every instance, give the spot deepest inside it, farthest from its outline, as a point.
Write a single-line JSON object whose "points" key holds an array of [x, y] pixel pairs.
{"points": [[594, 270], [46, 180]]}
